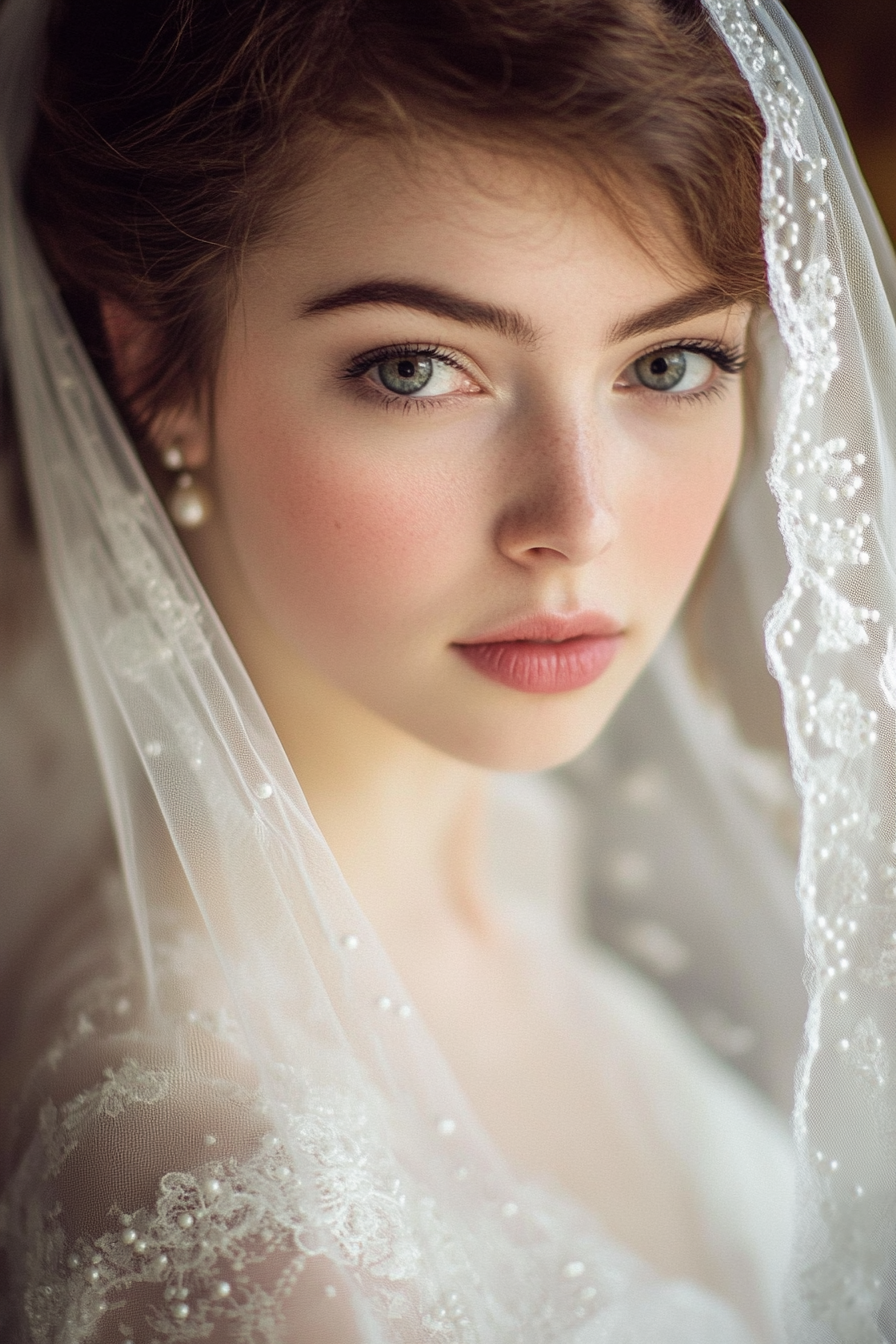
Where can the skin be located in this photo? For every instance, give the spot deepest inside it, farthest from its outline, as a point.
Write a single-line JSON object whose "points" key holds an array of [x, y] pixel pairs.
{"points": [[355, 539]]}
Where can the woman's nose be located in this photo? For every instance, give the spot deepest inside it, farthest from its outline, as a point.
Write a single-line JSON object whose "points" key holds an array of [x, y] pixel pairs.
{"points": [[558, 512]]}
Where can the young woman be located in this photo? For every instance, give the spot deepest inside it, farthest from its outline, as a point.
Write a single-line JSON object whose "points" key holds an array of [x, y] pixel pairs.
{"points": [[431, 327]]}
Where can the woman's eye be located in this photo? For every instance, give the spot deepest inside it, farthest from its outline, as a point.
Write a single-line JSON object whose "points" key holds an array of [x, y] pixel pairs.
{"points": [[673, 370], [407, 375], [410, 375]]}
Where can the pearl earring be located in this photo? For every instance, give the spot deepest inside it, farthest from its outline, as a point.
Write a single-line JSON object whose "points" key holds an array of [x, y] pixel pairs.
{"points": [[189, 503]]}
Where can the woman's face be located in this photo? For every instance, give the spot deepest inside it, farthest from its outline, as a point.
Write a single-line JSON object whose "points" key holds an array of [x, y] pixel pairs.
{"points": [[470, 443]]}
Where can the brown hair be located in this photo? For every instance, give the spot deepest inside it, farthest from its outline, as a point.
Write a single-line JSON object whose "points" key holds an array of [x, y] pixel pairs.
{"points": [[170, 132]]}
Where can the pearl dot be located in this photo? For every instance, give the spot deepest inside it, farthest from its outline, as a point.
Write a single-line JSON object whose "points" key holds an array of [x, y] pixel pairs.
{"points": [[211, 1188], [263, 790], [185, 1220], [446, 1127], [222, 1289], [189, 504], [573, 1270], [129, 1236]]}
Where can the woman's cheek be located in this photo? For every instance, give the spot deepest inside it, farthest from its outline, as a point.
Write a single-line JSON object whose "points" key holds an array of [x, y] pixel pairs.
{"points": [[332, 538], [674, 515]]}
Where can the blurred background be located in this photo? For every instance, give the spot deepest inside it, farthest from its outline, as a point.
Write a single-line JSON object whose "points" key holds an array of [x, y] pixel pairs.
{"points": [[855, 44]]}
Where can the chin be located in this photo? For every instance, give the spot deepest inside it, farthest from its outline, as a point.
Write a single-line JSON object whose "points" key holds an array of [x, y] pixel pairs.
{"points": [[497, 728], [527, 741], [512, 731]]}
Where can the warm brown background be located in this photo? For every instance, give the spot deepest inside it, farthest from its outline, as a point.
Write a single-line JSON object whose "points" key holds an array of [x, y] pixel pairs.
{"points": [[855, 43]]}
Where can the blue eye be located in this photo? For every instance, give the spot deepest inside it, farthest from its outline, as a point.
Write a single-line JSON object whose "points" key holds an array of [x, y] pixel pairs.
{"points": [[412, 374], [674, 370], [663, 371], [407, 375]]}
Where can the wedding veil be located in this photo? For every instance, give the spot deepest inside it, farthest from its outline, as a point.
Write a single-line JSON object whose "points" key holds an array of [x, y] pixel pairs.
{"points": [[399, 1187]]}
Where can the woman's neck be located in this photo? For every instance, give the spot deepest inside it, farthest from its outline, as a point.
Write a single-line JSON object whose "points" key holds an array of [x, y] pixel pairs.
{"points": [[404, 821]]}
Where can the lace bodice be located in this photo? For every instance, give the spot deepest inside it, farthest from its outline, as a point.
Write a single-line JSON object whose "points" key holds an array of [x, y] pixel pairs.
{"points": [[153, 1196]]}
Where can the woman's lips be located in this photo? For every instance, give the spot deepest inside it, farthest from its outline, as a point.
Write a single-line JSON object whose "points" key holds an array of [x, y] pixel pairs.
{"points": [[546, 654]]}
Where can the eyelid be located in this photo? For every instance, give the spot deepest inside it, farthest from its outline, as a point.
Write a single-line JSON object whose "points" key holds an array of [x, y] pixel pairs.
{"points": [[729, 357], [730, 361], [362, 363]]}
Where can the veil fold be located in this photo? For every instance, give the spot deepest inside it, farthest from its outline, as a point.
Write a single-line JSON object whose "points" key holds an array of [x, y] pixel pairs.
{"points": [[216, 840]]}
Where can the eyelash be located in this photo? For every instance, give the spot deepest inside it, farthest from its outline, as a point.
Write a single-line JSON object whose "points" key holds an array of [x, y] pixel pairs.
{"points": [[360, 365], [730, 361]]}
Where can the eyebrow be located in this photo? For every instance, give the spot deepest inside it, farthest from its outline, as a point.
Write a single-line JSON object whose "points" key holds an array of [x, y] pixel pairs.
{"points": [[682, 308], [427, 299], [508, 322]]}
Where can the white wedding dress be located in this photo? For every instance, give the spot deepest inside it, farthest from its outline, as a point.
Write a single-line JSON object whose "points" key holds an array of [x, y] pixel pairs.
{"points": [[152, 1199]]}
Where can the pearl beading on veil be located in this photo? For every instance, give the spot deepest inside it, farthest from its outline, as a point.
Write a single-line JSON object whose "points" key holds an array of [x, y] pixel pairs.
{"points": [[824, 639]]}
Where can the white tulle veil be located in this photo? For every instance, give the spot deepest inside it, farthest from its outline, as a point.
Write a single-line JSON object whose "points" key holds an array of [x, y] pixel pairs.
{"points": [[206, 808]]}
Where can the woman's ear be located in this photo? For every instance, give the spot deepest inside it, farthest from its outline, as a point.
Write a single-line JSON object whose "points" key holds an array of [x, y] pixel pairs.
{"points": [[174, 430]]}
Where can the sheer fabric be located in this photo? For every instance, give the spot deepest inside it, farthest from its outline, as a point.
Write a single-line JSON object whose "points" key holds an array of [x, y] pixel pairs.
{"points": [[230, 1121]]}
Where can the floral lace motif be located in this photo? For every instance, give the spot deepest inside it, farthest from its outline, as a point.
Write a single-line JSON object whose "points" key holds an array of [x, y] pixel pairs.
{"points": [[234, 1239], [825, 649], [199, 1245]]}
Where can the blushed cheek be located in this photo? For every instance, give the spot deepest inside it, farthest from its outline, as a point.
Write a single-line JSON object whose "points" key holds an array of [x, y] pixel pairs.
{"points": [[340, 545], [676, 520]]}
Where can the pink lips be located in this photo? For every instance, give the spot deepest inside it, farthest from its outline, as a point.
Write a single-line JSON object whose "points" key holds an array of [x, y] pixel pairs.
{"points": [[546, 654]]}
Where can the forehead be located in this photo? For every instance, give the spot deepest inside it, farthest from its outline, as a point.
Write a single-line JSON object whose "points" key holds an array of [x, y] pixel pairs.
{"points": [[492, 222]]}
